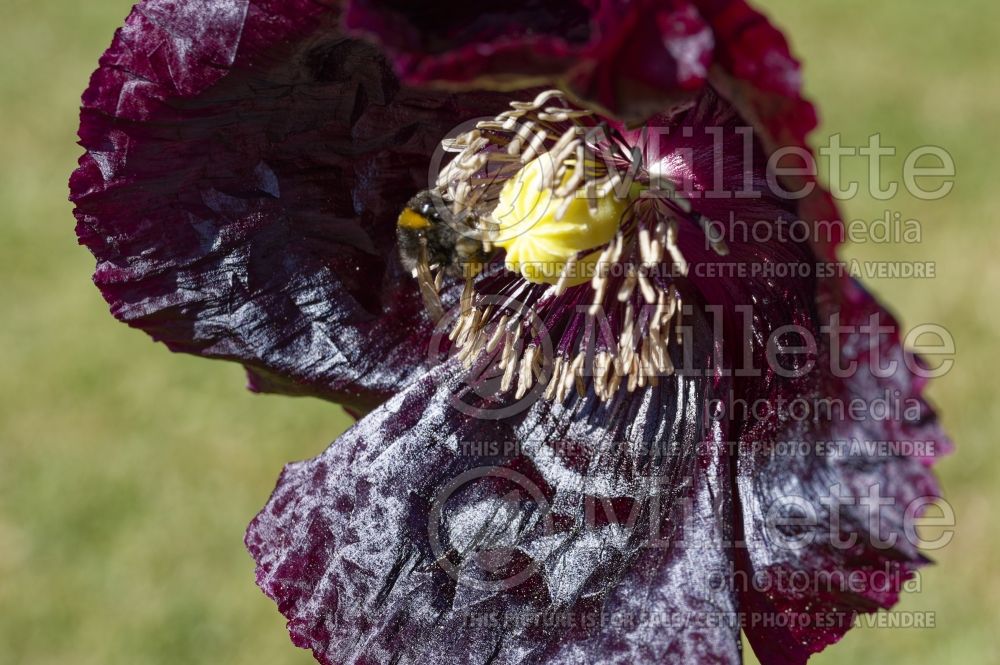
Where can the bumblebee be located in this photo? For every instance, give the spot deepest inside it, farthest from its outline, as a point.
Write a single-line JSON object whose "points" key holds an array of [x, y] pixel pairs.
{"points": [[430, 238]]}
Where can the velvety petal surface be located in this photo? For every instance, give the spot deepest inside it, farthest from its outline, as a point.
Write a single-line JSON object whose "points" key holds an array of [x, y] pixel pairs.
{"points": [[588, 532], [829, 483], [244, 167]]}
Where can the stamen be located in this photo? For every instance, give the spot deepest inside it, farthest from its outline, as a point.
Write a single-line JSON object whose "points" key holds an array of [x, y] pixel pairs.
{"points": [[509, 368], [523, 132], [525, 377], [498, 334], [563, 282], [550, 390], [535, 146], [616, 327], [625, 292], [648, 293], [719, 245]]}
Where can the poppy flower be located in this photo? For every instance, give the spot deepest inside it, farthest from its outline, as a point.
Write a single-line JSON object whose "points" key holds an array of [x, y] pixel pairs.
{"points": [[580, 471]]}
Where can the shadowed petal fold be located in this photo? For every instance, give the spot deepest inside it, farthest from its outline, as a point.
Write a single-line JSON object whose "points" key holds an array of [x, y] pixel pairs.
{"points": [[245, 166]]}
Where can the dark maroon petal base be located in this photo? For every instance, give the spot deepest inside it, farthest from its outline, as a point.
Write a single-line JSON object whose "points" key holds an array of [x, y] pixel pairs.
{"points": [[244, 171]]}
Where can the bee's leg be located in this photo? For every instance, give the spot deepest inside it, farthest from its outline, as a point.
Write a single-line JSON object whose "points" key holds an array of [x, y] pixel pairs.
{"points": [[432, 301], [428, 288]]}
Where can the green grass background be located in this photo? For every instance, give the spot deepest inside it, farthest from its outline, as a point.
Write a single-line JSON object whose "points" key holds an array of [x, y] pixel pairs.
{"points": [[127, 474]]}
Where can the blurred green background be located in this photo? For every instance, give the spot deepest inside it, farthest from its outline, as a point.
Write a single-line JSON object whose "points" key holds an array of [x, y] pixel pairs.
{"points": [[128, 474]]}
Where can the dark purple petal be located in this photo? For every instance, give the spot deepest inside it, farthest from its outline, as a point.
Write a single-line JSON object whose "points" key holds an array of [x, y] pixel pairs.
{"points": [[654, 57], [756, 71], [245, 165], [785, 622], [856, 501], [705, 150], [467, 42], [632, 59], [531, 555]]}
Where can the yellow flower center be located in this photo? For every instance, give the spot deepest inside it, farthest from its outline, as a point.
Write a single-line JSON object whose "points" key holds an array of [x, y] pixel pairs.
{"points": [[542, 232]]}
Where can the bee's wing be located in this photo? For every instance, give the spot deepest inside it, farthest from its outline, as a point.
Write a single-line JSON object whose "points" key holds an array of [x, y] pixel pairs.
{"points": [[428, 290]]}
